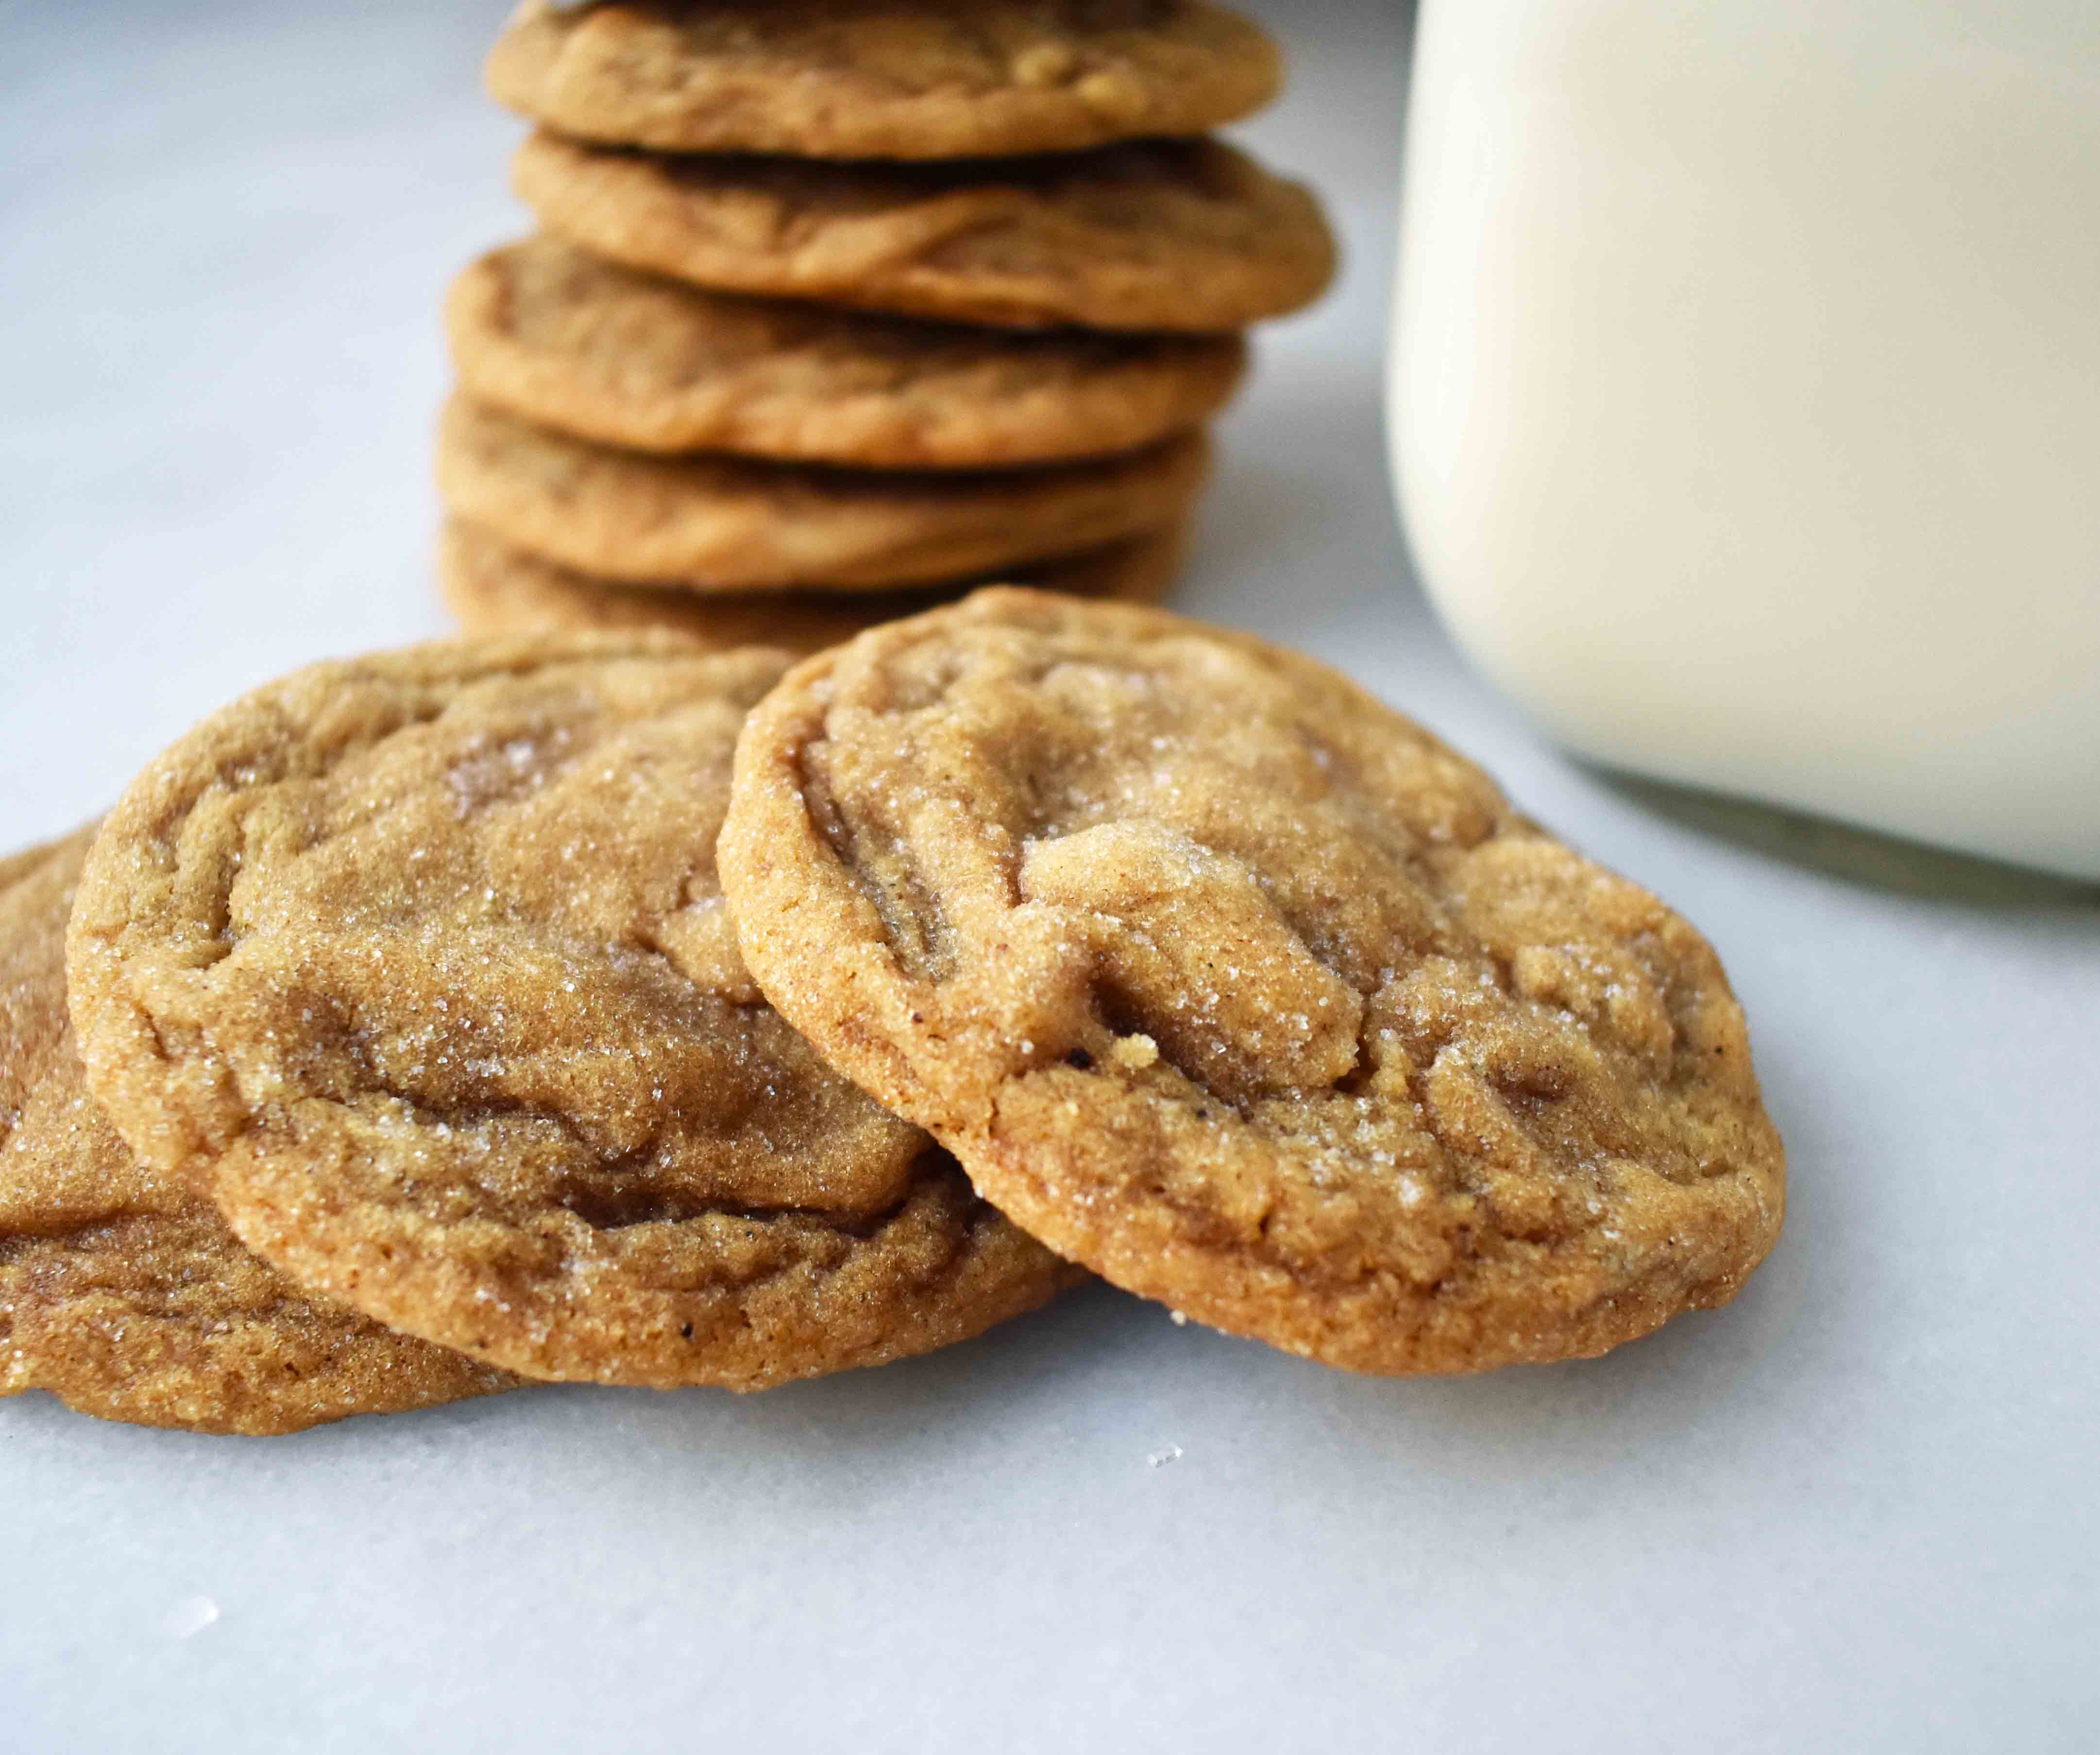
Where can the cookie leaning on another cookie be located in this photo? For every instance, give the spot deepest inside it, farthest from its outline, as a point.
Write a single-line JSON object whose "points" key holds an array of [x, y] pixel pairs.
{"points": [[832, 79], [562, 339], [492, 587], [418, 965], [1226, 979], [725, 524], [122, 1292], [1189, 236]]}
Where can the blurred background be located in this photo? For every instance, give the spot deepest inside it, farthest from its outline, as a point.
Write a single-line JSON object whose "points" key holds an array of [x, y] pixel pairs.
{"points": [[227, 229]]}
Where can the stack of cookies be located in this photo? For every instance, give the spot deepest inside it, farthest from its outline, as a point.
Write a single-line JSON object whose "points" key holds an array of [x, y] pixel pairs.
{"points": [[839, 307], [409, 1029]]}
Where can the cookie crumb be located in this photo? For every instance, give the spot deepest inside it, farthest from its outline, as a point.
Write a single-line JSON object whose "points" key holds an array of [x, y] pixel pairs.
{"points": [[1135, 1052]]}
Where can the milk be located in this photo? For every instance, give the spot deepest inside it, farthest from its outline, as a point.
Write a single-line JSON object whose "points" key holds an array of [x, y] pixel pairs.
{"points": [[1745, 394]]}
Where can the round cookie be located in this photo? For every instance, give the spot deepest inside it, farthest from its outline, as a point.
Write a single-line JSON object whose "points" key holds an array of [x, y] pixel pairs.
{"points": [[123, 1293], [557, 337], [1245, 991], [492, 587], [418, 965], [1179, 235], [729, 524], [844, 79]]}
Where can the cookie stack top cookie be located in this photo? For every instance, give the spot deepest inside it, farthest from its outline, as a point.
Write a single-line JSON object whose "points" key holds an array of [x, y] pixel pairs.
{"points": [[929, 79], [856, 296]]}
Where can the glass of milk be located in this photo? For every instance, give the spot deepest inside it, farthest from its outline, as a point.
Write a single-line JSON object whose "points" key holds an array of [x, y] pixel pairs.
{"points": [[1745, 394]]}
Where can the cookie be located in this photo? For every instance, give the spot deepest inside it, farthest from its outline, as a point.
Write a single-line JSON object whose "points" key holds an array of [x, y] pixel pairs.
{"points": [[418, 965], [494, 589], [123, 1293], [728, 524], [843, 79], [557, 337], [1245, 991], [1188, 237]]}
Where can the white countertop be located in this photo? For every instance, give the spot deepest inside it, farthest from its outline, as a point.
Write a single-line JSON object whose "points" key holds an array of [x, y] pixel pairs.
{"points": [[1855, 1511]]}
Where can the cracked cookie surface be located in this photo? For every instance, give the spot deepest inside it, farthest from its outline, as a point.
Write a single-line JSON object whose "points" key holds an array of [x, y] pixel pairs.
{"points": [[725, 524], [1189, 236], [1245, 991], [418, 965], [122, 1291], [492, 587], [559, 337], [843, 79]]}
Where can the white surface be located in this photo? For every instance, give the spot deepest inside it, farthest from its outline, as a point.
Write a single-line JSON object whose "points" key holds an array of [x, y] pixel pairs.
{"points": [[1855, 1511], [1749, 410]]}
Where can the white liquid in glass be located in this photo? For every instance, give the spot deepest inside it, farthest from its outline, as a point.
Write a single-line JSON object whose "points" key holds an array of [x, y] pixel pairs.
{"points": [[1745, 394]]}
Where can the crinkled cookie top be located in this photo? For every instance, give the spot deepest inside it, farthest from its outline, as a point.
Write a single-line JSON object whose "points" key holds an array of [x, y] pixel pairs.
{"points": [[122, 1291], [419, 965], [1245, 991]]}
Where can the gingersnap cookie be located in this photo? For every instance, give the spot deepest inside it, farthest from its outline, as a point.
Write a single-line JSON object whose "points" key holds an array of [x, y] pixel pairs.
{"points": [[842, 79], [1229, 982], [1175, 235], [123, 1293], [417, 963], [713, 523], [549, 332], [492, 587]]}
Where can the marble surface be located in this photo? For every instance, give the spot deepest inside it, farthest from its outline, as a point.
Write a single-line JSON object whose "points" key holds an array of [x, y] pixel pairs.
{"points": [[1855, 1511]]}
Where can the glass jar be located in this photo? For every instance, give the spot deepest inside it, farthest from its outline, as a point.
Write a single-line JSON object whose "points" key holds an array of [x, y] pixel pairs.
{"points": [[1745, 394]]}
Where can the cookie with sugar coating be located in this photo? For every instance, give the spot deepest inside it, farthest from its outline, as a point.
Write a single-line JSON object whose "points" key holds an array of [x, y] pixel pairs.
{"points": [[122, 1291], [417, 964], [1229, 981]]}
